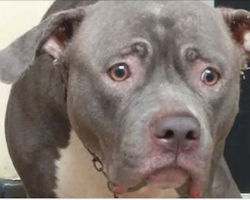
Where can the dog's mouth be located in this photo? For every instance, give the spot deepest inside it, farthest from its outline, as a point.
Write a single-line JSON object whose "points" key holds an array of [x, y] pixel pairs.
{"points": [[164, 178], [172, 177]]}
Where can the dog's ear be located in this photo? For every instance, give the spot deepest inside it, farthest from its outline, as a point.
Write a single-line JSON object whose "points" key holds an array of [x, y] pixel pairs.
{"points": [[51, 36], [238, 22]]}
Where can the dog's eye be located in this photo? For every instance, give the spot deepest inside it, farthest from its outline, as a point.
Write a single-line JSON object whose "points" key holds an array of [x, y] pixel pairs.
{"points": [[119, 72], [210, 76]]}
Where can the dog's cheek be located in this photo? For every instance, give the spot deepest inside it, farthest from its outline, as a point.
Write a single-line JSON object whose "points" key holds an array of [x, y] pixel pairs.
{"points": [[81, 110], [218, 107], [227, 110], [92, 112]]}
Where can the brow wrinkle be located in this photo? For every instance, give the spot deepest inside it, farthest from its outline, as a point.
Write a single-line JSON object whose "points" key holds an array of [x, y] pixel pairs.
{"points": [[192, 54]]}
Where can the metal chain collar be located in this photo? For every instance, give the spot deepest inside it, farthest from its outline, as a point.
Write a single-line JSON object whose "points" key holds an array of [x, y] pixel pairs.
{"points": [[98, 165]]}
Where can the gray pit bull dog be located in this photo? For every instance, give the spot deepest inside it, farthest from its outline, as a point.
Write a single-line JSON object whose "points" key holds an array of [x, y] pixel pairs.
{"points": [[149, 88]]}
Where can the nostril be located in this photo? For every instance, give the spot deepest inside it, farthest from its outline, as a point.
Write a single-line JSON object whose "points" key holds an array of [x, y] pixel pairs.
{"points": [[191, 135], [169, 134]]}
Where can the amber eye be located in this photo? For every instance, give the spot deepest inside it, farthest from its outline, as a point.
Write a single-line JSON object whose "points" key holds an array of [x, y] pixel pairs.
{"points": [[119, 72], [210, 76]]}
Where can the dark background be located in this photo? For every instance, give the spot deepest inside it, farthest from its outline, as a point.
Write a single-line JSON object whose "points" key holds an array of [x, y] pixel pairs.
{"points": [[238, 144]]}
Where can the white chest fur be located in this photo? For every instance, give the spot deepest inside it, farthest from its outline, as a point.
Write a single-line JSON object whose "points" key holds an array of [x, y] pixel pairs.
{"points": [[76, 175], [77, 178]]}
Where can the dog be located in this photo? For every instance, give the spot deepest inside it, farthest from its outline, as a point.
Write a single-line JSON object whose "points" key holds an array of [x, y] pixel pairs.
{"points": [[126, 99]]}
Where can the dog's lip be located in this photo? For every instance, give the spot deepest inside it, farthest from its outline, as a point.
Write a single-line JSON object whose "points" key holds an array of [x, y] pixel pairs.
{"points": [[148, 178], [117, 189], [169, 177], [121, 189]]}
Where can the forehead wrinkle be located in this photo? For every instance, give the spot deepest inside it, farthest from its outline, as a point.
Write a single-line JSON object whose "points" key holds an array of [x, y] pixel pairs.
{"points": [[139, 46], [160, 30], [191, 54], [143, 52]]}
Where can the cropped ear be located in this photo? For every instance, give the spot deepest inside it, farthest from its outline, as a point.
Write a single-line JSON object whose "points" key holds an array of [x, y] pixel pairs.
{"points": [[238, 22], [51, 36]]}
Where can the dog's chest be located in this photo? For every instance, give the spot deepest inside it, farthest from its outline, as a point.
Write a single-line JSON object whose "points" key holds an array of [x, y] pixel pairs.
{"points": [[77, 178]]}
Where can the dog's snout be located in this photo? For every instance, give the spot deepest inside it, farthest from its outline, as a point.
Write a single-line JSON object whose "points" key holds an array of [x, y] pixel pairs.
{"points": [[177, 133]]}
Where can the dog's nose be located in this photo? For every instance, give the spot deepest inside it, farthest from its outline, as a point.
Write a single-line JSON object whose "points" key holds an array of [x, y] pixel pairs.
{"points": [[177, 133]]}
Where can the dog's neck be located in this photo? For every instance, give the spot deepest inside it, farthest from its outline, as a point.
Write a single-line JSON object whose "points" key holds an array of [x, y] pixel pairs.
{"points": [[77, 177]]}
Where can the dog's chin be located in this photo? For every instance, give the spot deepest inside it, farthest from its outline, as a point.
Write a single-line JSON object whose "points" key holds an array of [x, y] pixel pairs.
{"points": [[165, 178]]}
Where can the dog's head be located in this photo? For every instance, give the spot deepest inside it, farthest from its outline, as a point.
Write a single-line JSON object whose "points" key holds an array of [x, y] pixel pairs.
{"points": [[152, 87]]}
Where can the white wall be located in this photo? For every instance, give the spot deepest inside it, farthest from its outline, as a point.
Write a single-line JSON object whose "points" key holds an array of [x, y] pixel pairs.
{"points": [[16, 17], [209, 2]]}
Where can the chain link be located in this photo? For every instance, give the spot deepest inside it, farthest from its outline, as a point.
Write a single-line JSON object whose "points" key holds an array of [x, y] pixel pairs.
{"points": [[98, 165]]}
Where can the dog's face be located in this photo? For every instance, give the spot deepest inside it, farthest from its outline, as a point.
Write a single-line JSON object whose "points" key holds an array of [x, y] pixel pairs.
{"points": [[153, 88], [153, 84]]}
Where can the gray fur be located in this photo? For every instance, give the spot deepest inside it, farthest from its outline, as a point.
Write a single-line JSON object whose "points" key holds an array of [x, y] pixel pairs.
{"points": [[113, 119]]}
